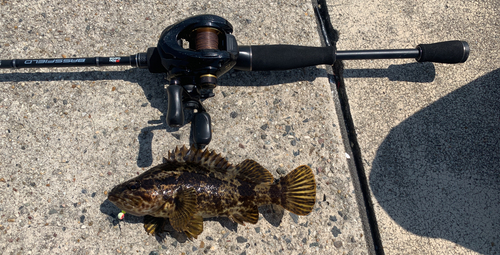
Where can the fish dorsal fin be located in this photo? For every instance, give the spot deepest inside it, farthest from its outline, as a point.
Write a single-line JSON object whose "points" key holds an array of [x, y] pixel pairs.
{"points": [[185, 207], [209, 160], [251, 171]]}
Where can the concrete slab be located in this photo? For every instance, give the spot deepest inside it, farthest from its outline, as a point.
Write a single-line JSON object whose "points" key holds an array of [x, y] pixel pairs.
{"points": [[69, 135], [428, 133]]}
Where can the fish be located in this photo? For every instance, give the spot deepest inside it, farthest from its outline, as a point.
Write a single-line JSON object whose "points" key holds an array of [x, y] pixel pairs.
{"points": [[192, 184]]}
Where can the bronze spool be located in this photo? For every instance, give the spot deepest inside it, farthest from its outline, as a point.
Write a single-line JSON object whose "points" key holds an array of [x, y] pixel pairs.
{"points": [[207, 38]]}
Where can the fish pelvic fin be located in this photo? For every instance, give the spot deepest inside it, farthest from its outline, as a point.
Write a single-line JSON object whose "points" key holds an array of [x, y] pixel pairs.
{"points": [[298, 190], [154, 225], [185, 208], [252, 172], [194, 227]]}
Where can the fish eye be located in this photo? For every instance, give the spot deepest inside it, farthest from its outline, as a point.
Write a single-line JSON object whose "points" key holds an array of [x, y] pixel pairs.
{"points": [[133, 186]]}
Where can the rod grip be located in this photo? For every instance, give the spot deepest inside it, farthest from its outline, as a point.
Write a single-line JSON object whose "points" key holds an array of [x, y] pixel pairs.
{"points": [[284, 57], [450, 52]]}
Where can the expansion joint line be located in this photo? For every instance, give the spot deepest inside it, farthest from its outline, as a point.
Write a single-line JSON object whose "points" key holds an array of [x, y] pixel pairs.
{"points": [[330, 37]]}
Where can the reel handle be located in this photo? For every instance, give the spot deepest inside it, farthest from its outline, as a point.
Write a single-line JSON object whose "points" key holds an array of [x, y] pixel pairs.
{"points": [[175, 110], [201, 128]]}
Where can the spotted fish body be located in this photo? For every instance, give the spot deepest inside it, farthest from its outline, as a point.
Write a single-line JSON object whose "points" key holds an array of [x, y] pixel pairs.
{"points": [[193, 184]]}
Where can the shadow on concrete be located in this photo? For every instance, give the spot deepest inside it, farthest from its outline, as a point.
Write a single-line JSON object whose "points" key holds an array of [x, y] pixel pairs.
{"points": [[112, 211], [151, 84], [437, 173], [153, 87], [412, 72], [272, 213], [236, 78]]}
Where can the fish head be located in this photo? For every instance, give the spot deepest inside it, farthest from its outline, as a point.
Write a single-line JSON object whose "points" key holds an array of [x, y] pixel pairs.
{"points": [[137, 197]]}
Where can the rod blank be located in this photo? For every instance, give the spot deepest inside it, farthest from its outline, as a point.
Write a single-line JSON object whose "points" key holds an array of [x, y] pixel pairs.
{"points": [[138, 60], [377, 54]]}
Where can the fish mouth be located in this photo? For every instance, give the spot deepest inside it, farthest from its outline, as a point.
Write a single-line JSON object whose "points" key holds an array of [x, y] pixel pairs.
{"points": [[132, 201], [117, 199], [116, 194], [126, 204], [121, 198], [113, 198]]}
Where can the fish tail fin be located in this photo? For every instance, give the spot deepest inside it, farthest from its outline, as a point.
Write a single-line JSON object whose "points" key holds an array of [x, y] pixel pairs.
{"points": [[298, 191]]}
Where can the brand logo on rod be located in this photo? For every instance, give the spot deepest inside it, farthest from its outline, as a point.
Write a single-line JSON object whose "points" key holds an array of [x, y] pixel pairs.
{"points": [[54, 61]]}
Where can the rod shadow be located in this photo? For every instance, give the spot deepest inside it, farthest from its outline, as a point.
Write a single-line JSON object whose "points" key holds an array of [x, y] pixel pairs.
{"points": [[411, 72], [437, 173], [153, 86]]}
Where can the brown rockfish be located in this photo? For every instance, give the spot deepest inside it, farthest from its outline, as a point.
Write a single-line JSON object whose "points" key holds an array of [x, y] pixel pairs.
{"points": [[194, 184]]}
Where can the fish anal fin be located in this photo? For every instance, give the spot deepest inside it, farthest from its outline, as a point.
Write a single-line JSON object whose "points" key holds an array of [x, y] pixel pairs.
{"points": [[194, 227], [154, 225], [251, 171], [185, 207], [250, 215]]}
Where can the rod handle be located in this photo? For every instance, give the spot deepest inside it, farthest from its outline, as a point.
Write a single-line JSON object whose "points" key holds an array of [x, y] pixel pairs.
{"points": [[450, 52], [282, 57]]}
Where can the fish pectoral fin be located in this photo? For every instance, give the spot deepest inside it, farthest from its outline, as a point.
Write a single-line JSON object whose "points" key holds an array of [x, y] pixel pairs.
{"points": [[250, 215], [154, 225], [185, 208], [194, 227], [251, 171]]}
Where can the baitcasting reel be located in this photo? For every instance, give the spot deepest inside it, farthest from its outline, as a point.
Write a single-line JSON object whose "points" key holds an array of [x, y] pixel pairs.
{"points": [[194, 52]]}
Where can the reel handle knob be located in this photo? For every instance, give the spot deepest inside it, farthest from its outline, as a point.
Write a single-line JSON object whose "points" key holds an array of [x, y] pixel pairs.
{"points": [[175, 110], [201, 129]]}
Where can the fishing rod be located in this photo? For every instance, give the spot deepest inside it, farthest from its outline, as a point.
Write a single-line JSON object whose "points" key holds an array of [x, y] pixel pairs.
{"points": [[195, 52]]}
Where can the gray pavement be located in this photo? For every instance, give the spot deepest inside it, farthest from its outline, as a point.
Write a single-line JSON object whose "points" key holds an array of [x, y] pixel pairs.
{"points": [[428, 133], [70, 135]]}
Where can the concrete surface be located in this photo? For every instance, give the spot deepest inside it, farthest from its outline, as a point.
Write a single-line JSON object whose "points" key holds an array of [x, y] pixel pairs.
{"points": [[428, 133], [69, 135]]}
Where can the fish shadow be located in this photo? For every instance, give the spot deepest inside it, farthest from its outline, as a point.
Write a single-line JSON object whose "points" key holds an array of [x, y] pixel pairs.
{"points": [[112, 212], [272, 213]]}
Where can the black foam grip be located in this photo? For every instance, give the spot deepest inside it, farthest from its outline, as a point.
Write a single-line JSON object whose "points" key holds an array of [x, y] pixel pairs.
{"points": [[444, 52], [284, 57]]}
